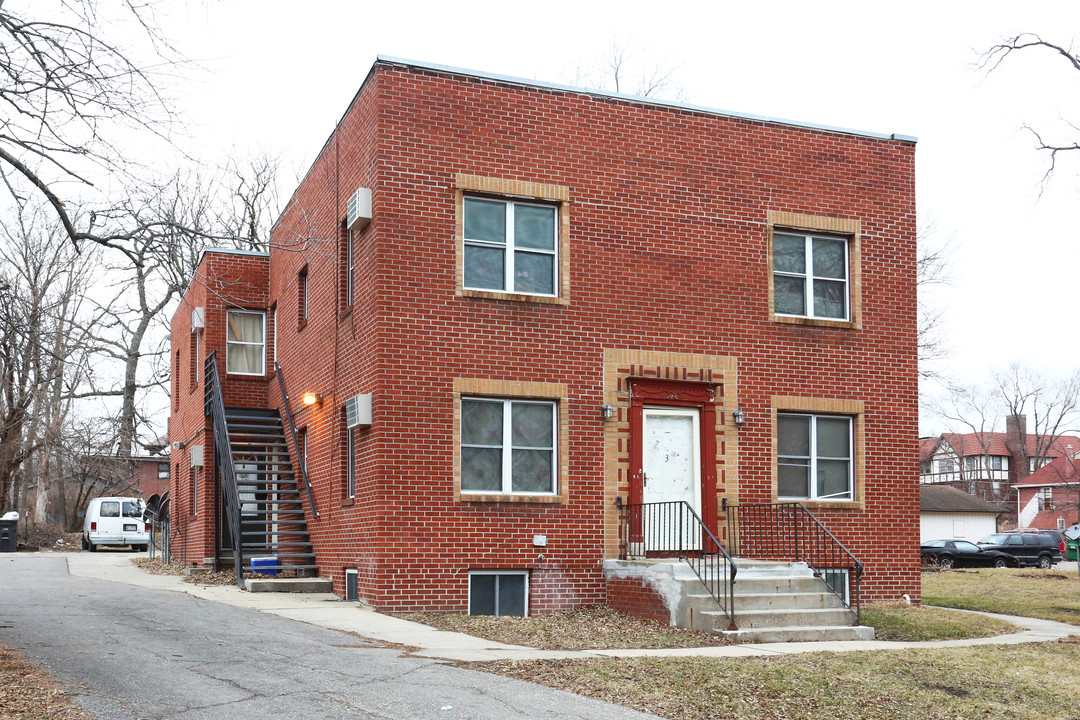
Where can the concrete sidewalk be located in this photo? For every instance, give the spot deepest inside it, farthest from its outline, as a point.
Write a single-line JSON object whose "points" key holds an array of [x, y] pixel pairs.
{"points": [[328, 611]]}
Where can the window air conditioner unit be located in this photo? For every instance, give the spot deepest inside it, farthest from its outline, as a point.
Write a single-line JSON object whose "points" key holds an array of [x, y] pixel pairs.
{"points": [[358, 411], [359, 209], [198, 318]]}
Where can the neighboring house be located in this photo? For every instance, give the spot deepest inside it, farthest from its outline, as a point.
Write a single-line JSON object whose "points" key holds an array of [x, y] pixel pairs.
{"points": [[521, 313], [1048, 498], [150, 475], [948, 513], [988, 465]]}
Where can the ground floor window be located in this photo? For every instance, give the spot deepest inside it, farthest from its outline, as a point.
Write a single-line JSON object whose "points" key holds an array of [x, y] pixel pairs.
{"points": [[837, 580], [499, 593], [814, 456], [351, 594], [508, 446], [1046, 498]]}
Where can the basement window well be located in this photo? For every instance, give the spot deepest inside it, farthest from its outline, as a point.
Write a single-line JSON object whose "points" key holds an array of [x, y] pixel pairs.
{"points": [[499, 593]]}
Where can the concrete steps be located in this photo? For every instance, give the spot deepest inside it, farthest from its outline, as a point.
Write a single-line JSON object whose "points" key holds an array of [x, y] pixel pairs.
{"points": [[290, 585], [773, 602]]}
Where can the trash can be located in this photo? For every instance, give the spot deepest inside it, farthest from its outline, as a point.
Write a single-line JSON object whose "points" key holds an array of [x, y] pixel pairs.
{"points": [[1070, 550], [9, 535]]}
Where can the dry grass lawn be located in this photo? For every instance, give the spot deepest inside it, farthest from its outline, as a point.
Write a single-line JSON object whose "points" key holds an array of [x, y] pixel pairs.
{"points": [[1020, 682], [1048, 594]]}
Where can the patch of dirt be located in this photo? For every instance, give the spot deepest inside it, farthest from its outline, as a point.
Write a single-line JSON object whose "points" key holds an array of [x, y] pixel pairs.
{"points": [[954, 691], [28, 693], [1046, 576], [593, 627], [48, 537]]}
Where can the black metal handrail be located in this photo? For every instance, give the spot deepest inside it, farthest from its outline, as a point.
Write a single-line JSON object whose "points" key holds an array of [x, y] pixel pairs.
{"points": [[215, 408], [301, 461], [674, 529], [790, 532]]}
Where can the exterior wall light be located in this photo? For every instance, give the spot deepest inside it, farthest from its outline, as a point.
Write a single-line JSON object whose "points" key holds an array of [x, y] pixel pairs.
{"points": [[311, 398], [738, 416], [607, 412]]}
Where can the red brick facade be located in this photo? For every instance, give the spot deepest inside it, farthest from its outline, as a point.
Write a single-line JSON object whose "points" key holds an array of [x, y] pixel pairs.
{"points": [[665, 220]]}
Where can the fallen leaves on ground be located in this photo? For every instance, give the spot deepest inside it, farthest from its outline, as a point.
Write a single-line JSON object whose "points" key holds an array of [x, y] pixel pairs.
{"points": [[592, 627], [28, 693]]}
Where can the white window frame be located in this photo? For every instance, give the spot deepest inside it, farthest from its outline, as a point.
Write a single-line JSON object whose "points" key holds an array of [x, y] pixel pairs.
{"points": [[355, 573], [519, 573], [507, 446], [510, 248], [350, 260], [230, 343], [350, 459], [814, 457], [1046, 499], [808, 276], [194, 490]]}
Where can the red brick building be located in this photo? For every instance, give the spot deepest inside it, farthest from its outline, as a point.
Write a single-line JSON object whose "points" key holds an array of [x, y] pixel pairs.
{"points": [[524, 308]]}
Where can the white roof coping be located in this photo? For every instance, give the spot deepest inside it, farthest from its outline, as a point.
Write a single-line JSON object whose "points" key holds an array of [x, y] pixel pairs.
{"points": [[639, 99]]}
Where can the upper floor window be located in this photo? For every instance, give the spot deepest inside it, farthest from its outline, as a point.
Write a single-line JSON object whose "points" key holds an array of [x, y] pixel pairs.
{"points": [[508, 446], [163, 470], [1046, 498], [302, 304], [810, 276], [511, 246], [814, 457], [995, 462], [245, 343], [971, 463], [946, 465]]}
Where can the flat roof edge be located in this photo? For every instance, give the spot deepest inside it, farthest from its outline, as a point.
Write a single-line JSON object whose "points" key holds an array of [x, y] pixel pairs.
{"points": [[494, 77]]}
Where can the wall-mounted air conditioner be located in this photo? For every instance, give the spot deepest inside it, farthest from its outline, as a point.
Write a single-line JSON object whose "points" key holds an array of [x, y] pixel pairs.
{"points": [[359, 209], [196, 455], [198, 318], [358, 410]]}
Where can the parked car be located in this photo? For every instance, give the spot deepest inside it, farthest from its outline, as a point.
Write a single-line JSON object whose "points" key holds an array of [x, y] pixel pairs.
{"points": [[115, 521], [947, 554], [1029, 548]]}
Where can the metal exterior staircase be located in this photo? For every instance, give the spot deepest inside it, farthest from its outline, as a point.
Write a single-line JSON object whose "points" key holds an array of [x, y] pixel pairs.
{"points": [[273, 521], [261, 501]]}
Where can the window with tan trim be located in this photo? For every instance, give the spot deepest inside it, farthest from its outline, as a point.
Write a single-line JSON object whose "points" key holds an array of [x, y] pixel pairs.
{"points": [[814, 270], [512, 240], [818, 451], [510, 441]]}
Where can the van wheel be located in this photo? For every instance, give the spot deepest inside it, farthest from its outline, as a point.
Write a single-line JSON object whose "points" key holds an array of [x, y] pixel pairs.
{"points": [[91, 546], [85, 545], [1045, 562]]}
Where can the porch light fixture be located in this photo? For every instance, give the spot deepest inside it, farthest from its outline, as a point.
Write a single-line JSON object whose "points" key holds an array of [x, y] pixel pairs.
{"points": [[607, 412], [738, 416], [311, 398]]}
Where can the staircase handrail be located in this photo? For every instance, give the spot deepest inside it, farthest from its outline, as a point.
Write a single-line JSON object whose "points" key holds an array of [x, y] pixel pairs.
{"points": [[777, 536], [711, 563], [215, 406], [301, 461]]}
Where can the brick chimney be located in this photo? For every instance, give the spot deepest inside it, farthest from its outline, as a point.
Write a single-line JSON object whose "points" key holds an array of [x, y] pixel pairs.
{"points": [[1015, 442]]}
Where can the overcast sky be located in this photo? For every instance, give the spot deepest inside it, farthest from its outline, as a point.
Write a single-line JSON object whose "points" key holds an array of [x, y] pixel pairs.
{"points": [[278, 75]]}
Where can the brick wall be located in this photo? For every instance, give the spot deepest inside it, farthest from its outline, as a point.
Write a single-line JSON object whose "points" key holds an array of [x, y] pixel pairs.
{"points": [[635, 596], [669, 224], [224, 280]]}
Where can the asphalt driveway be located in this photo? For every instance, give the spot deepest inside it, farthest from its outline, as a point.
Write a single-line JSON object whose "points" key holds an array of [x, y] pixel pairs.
{"points": [[129, 653]]}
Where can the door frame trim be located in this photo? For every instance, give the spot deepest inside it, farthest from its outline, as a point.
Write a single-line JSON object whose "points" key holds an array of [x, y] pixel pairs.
{"points": [[676, 394]]}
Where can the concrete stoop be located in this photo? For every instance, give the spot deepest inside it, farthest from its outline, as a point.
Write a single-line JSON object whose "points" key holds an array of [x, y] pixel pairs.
{"points": [[774, 601], [290, 585]]}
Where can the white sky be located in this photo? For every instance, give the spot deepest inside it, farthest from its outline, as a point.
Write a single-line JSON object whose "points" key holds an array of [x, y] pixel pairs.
{"points": [[280, 74]]}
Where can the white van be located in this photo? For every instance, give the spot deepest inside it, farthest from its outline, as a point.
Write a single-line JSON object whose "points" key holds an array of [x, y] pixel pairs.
{"points": [[115, 521]]}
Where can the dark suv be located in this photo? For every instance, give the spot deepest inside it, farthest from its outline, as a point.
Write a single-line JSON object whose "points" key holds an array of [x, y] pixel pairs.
{"points": [[1028, 548]]}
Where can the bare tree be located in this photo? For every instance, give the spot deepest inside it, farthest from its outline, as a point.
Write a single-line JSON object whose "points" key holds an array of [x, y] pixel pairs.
{"points": [[1052, 405], [992, 59], [932, 269], [629, 69], [41, 339], [71, 91]]}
